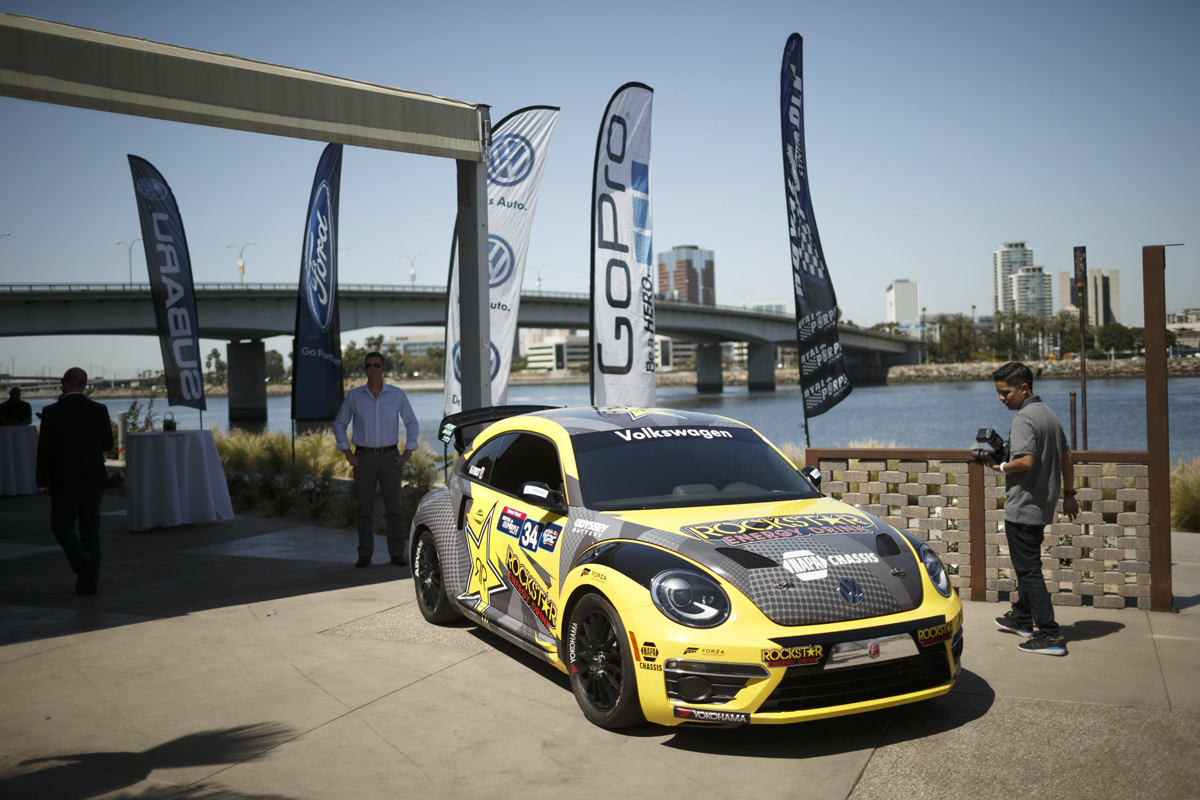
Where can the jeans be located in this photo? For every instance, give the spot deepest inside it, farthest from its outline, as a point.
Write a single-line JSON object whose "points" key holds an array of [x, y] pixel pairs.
{"points": [[381, 469], [67, 508], [1025, 552]]}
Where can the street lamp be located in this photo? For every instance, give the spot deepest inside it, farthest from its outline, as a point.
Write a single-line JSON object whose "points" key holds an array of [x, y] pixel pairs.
{"points": [[412, 266], [542, 267], [241, 262], [130, 254], [2, 235]]}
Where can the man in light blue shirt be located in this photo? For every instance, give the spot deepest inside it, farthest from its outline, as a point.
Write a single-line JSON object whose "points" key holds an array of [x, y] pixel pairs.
{"points": [[374, 411]]}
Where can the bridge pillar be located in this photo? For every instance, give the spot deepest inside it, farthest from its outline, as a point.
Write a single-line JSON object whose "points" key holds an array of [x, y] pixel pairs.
{"points": [[247, 377], [709, 377], [760, 366]]}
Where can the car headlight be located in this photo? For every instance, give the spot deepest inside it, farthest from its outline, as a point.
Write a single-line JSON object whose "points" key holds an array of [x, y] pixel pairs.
{"points": [[937, 572], [689, 598]]}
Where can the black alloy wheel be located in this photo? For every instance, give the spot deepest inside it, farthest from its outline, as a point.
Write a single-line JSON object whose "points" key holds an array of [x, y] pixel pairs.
{"points": [[427, 578], [601, 666]]}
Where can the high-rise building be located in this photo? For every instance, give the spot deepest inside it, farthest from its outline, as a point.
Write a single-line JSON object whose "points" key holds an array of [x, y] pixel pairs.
{"points": [[1030, 290], [1068, 293], [1103, 296], [902, 303], [687, 273], [1006, 261]]}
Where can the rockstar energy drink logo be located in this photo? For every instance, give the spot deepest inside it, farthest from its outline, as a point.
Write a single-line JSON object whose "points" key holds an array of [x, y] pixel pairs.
{"points": [[935, 635], [532, 592], [737, 532], [793, 656]]}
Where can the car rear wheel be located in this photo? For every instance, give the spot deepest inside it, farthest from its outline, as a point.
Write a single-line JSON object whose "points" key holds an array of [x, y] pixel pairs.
{"points": [[600, 664], [427, 578]]}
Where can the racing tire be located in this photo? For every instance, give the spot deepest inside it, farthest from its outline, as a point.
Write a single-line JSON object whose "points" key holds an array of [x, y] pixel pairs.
{"points": [[600, 665], [429, 583]]}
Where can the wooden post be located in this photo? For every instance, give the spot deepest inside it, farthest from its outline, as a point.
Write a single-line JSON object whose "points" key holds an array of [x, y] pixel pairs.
{"points": [[978, 540], [1154, 264]]}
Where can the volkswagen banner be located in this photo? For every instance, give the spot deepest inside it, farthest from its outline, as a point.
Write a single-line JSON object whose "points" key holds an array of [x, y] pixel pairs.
{"points": [[623, 280], [171, 287], [822, 371], [516, 162], [317, 349]]}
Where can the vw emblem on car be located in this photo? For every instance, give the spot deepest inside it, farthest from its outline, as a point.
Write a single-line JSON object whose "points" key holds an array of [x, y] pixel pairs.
{"points": [[510, 159], [849, 590], [502, 262]]}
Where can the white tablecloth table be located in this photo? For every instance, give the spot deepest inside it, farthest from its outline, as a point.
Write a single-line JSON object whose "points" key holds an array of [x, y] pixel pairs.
{"points": [[174, 478], [18, 459]]}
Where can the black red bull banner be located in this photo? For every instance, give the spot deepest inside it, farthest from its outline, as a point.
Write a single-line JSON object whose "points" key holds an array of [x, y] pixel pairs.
{"points": [[171, 287], [317, 354], [822, 370]]}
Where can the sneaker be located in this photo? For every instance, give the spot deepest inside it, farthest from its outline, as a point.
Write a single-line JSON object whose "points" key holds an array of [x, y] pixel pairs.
{"points": [[1045, 645], [363, 562], [1008, 623]]}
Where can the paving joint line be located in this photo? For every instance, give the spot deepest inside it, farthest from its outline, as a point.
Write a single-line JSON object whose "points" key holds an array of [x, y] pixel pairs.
{"points": [[1158, 658], [874, 749]]}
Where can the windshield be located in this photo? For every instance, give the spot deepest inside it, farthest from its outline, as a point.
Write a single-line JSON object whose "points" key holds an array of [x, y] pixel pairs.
{"points": [[680, 467]]}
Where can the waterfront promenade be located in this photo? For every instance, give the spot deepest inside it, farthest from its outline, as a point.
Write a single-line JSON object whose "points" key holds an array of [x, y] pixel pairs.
{"points": [[252, 660]]}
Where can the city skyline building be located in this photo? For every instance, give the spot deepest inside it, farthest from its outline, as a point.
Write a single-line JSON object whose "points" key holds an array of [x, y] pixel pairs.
{"points": [[1068, 293], [686, 272], [1103, 296], [903, 304], [1030, 290], [1007, 261]]}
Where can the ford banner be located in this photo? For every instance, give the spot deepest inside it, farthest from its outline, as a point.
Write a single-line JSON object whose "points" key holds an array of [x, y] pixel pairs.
{"points": [[822, 371], [623, 280], [516, 162], [171, 287], [317, 353]]}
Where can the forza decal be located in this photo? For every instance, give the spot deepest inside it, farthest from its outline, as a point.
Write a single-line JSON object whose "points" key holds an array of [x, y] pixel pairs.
{"points": [[803, 655], [704, 651], [511, 521], [550, 535], [927, 637], [736, 532], [593, 574], [668, 433], [536, 596], [704, 715]]}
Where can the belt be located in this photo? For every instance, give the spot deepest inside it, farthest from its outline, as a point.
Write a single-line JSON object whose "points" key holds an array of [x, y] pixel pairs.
{"points": [[376, 449]]}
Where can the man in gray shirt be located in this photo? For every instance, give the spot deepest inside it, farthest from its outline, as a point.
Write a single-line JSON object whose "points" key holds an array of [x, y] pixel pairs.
{"points": [[1039, 462]]}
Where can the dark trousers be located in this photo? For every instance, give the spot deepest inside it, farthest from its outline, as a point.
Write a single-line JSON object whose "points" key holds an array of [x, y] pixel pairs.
{"points": [[1025, 551], [69, 508], [379, 469]]}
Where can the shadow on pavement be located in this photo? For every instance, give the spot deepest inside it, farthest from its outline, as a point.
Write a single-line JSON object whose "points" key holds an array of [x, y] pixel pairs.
{"points": [[1090, 629], [83, 775], [1186, 602]]}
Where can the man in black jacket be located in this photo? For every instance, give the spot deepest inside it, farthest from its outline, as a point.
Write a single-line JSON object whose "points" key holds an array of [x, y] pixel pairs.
{"points": [[75, 435]]}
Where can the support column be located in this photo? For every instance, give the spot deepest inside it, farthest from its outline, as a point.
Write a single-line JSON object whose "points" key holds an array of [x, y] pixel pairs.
{"points": [[1154, 294], [247, 379], [473, 291], [760, 366], [709, 376]]}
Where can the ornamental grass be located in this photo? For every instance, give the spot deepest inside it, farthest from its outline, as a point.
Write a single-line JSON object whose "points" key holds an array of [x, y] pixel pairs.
{"points": [[1185, 496]]}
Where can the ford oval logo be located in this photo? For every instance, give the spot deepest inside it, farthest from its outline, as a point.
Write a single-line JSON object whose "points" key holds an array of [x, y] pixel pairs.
{"points": [[319, 248], [849, 590], [152, 189]]}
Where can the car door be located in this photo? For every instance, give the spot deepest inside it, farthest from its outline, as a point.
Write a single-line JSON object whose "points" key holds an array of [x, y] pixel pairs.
{"points": [[485, 583]]}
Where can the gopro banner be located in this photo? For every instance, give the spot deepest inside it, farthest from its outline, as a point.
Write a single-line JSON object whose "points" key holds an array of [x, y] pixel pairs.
{"points": [[516, 162], [317, 349], [623, 281], [822, 372], [171, 288]]}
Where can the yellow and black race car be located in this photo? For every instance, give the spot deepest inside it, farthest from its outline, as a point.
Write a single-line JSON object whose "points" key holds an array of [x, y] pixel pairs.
{"points": [[680, 570]]}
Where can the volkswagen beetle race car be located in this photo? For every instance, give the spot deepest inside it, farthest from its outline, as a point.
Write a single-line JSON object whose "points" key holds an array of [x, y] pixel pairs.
{"points": [[680, 570]]}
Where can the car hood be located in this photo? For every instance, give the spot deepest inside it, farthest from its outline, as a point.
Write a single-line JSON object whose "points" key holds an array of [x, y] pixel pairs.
{"points": [[788, 558]]}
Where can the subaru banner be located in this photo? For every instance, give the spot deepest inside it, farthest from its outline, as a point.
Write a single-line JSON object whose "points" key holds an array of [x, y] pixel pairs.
{"points": [[822, 371], [623, 279], [171, 288], [317, 350], [516, 162]]}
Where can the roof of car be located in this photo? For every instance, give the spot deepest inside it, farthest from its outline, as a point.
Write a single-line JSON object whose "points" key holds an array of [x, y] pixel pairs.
{"points": [[607, 418]]}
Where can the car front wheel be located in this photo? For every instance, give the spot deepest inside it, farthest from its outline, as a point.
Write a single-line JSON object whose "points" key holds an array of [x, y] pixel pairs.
{"points": [[427, 578], [600, 664]]}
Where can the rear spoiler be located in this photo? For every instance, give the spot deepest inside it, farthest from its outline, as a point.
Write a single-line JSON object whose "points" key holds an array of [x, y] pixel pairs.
{"points": [[453, 427]]}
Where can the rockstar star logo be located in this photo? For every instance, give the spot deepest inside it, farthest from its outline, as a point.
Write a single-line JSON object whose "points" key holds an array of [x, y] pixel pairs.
{"points": [[485, 578]]}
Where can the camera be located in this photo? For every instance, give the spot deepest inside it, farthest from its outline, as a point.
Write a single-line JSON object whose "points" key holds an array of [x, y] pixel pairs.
{"points": [[992, 449]]}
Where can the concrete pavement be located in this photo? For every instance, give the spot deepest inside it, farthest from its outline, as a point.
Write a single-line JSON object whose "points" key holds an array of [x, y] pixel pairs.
{"points": [[251, 660]]}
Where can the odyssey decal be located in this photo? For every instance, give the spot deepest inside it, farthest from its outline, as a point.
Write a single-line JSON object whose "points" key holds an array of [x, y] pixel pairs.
{"points": [[743, 531], [803, 655], [704, 715], [587, 526], [536, 596], [667, 433]]}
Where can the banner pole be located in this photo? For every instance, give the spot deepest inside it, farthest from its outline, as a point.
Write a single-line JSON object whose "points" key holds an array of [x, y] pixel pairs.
{"points": [[293, 443]]}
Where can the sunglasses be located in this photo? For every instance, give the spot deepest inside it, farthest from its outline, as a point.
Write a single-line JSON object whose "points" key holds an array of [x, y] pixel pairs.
{"points": [[374, 366]]}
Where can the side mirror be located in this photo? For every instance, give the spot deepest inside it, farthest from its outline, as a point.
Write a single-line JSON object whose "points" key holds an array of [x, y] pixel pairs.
{"points": [[543, 496], [814, 476]]}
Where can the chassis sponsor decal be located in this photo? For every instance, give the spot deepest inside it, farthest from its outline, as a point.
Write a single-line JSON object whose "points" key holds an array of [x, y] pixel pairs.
{"points": [[736, 532], [927, 637], [803, 655], [536, 596], [704, 715]]}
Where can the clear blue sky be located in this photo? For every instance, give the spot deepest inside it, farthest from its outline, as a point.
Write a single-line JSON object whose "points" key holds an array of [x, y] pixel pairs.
{"points": [[935, 132]]}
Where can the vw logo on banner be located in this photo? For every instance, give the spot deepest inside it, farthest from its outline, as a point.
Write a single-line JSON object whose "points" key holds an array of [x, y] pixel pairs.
{"points": [[151, 189], [849, 590], [502, 261], [495, 359], [510, 159], [318, 259]]}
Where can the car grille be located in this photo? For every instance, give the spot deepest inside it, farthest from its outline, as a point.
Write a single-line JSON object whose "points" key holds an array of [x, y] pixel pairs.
{"points": [[805, 688]]}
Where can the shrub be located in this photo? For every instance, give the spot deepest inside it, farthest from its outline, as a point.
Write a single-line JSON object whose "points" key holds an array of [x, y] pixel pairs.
{"points": [[1185, 496]]}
